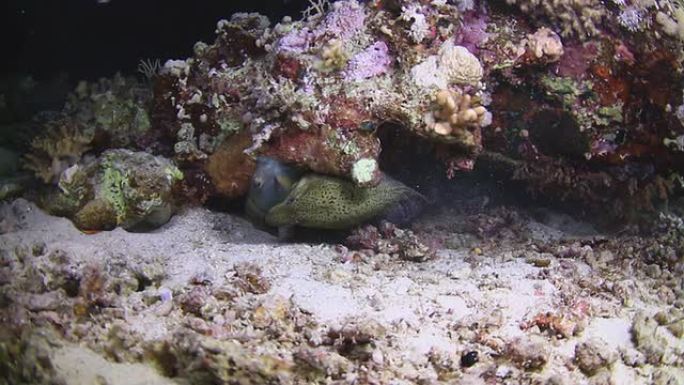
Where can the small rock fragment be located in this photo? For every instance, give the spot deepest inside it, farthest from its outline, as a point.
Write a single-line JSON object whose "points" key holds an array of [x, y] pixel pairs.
{"points": [[248, 277], [632, 357], [667, 376], [45, 301], [528, 354], [652, 340], [593, 355], [469, 359], [322, 360], [194, 300]]}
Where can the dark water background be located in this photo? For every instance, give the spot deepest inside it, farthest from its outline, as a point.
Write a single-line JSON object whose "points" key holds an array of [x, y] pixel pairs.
{"points": [[87, 40]]}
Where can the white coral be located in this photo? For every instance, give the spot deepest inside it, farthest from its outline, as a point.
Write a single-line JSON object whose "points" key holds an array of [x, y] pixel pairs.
{"points": [[460, 66], [679, 113], [631, 18], [545, 45], [419, 26], [427, 74], [673, 24], [453, 64], [176, 68]]}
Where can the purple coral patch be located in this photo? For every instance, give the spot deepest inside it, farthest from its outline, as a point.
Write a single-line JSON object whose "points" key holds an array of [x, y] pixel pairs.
{"points": [[297, 41], [577, 59], [372, 61], [344, 21], [473, 34]]}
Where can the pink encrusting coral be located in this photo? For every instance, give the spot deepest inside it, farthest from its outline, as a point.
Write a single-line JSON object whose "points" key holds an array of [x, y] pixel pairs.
{"points": [[601, 147], [371, 62], [297, 41], [577, 59], [346, 19], [473, 34]]}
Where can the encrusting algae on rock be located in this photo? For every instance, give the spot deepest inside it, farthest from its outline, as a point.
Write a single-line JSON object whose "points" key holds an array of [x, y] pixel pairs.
{"points": [[123, 188], [60, 146]]}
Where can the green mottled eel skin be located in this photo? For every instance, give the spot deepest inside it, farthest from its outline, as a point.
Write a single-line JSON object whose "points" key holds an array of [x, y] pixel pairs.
{"points": [[324, 202]]}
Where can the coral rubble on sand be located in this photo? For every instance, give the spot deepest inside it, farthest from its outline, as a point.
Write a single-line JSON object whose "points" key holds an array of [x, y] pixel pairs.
{"points": [[498, 298]]}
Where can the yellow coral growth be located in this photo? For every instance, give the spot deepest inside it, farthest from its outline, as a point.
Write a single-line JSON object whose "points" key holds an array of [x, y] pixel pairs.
{"points": [[544, 46], [333, 56], [673, 24], [60, 147], [455, 113]]}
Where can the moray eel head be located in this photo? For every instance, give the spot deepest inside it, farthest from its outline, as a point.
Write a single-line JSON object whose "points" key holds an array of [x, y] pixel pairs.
{"points": [[271, 183]]}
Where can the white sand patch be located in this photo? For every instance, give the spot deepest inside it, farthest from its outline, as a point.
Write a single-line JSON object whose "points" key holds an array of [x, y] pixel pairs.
{"points": [[81, 366]]}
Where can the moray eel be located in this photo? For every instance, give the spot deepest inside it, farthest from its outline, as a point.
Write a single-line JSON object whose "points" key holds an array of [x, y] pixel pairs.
{"points": [[324, 202], [271, 183]]}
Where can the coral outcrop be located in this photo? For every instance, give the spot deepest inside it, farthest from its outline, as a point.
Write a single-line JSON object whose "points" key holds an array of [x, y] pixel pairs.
{"points": [[311, 92], [115, 108], [132, 190], [109, 113], [578, 18], [576, 100], [62, 144], [561, 84]]}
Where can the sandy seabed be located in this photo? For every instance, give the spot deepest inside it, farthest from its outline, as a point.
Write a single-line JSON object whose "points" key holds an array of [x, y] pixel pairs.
{"points": [[510, 297]]}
